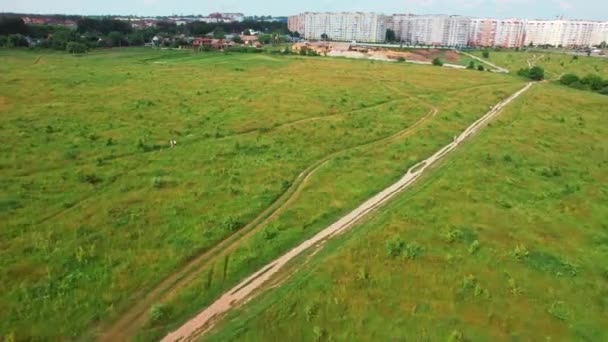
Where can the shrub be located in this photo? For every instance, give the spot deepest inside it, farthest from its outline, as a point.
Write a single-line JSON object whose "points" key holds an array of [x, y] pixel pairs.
{"points": [[395, 246], [568, 79], [595, 82], [471, 65], [76, 48], [231, 224], [437, 62], [537, 73], [486, 54], [480, 67], [401, 59], [158, 312]]}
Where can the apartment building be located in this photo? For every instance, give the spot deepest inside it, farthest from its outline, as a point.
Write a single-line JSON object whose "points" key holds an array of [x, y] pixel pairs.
{"points": [[430, 29], [449, 30], [344, 26], [507, 33], [295, 23], [560, 32], [600, 33]]}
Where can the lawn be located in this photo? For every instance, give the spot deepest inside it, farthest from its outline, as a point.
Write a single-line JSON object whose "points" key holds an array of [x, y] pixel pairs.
{"points": [[505, 240], [97, 209], [555, 64]]}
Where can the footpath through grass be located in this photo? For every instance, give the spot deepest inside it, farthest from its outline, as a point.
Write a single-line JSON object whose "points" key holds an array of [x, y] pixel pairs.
{"points": [[507, 239], [97, 209]]}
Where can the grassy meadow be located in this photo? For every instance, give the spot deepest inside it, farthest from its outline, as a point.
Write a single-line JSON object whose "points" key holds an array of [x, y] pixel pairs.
{"points": [[555, 64], [97, 209], [507, 239]]}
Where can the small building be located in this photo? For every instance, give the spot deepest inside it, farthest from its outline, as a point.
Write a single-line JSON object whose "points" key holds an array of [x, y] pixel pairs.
{"points": [[201, 41], [249, 40]]}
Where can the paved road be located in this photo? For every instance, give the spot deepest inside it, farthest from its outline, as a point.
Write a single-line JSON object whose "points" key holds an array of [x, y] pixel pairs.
{"points": [[196, 326]]}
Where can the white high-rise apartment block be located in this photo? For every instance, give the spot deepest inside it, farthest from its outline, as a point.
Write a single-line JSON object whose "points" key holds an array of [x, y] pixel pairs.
{"points": [[600, 33], [344, 26], [560, 32], [430, 29], [448, 30]]}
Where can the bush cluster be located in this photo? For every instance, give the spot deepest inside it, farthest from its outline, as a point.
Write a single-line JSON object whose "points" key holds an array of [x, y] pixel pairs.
{"points": [[590, 82]]}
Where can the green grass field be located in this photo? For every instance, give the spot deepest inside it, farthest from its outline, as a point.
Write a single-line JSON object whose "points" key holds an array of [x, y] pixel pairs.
{"points": [[507, 239], [97, 209], [555, 64]]}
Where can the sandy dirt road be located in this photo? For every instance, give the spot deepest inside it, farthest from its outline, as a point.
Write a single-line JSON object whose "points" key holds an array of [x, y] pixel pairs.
{"points": [[245, 290]]}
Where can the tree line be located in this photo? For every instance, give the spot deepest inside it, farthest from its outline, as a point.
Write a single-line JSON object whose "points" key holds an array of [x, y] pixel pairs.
{"points": [[107, 32]]}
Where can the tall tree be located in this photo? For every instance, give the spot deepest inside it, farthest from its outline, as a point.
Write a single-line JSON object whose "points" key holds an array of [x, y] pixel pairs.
{"points": [[390, 36]]}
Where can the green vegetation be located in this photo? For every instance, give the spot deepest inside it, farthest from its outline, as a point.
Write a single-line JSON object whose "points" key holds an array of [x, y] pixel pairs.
{"points": [[99, 208], [555, 64], [505, 232], [437, 62], [590, 82], [534, 73]]}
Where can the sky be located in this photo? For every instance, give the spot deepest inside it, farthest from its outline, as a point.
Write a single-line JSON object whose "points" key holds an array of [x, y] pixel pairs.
{"points": [[530, 9]]}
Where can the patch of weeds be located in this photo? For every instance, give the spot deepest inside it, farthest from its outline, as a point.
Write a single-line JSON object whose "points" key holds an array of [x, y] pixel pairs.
{"points": [[456, 336], [159, 312], [474, 247], [141, 103], [520, 252], [319, 333], [363, 275], [551, 171], [559, 310], [412, 251], [310, 311], [160, 182], [90, 178], [394, 246], [231, 224], [549, 263], [505, 204], [109, 142], [145, 147], [512, 285], [507, 158], [71, 154], [269, 234], [460, 235], [570, 189]]}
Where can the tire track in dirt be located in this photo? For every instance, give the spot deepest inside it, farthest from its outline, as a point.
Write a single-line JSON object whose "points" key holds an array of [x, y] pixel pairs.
{"points": [[244, 290], [136, 316]]}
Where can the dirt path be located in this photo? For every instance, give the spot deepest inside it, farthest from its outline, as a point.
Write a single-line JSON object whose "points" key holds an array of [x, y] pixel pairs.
{"points": [[533, 59], [496, 67], [198, 324], [136, 316]]}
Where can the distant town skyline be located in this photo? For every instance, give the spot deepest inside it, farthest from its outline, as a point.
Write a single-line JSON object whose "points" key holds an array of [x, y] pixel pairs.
{"points": [[527, 9]]}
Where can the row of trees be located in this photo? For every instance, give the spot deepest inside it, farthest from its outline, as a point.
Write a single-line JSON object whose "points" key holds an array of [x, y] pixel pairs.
{"points": [[106, 32], [590, 82]]}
